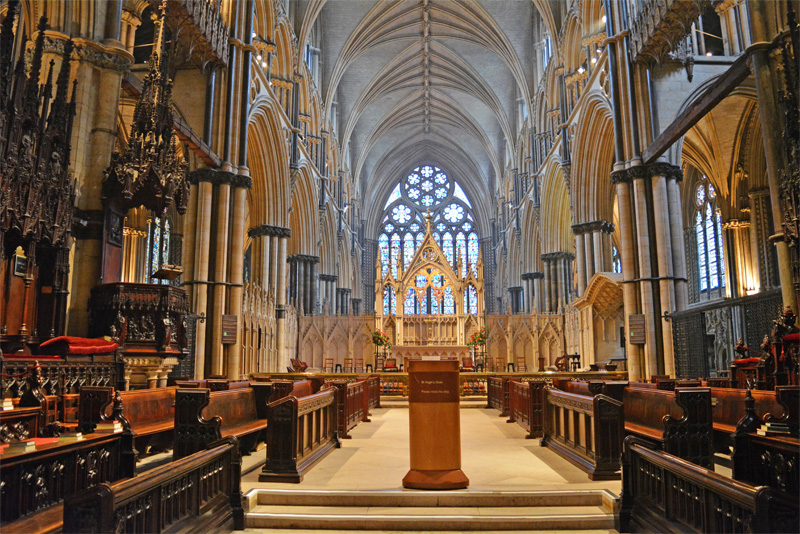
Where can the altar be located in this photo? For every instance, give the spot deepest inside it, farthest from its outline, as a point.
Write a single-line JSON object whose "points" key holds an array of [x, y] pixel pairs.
{"points": [[430, 352]]}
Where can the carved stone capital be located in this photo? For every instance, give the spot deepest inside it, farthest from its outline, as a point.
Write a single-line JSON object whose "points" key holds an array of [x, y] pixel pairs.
{"points": [[218, 177], [108, 58], [267, 230]]}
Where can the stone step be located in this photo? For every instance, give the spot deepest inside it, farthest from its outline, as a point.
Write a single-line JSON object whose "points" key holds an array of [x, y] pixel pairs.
{"points": [[589, 510]]}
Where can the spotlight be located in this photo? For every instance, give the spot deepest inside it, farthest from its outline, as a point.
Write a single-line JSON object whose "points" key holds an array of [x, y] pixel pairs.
{"points": [[580, 69], [603, 19], [258, 57], [709, 54]]}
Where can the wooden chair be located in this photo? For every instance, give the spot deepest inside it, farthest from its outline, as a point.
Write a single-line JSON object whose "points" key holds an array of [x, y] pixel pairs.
{"points": [[522, 367], [390, 365], [379, 361], [327, 365], [467, 364], [348, 365], [359, 367]]}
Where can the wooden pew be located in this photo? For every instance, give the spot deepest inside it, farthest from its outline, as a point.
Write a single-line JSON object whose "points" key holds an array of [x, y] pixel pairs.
{"points": [[34, 481], [678, 422], [769, 460], [150, 416], [352, 405], [729, 407], [526, 406], [586, 430], [664, 493], [18, 424], [203, 416], [374, 391], [611, 388], [498, 394], [300, 433], [198, 493]]}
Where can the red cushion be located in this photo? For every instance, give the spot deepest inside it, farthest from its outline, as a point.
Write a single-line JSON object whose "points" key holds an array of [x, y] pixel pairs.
{"points": [[746, 360], [81, 345], [794, 337]]}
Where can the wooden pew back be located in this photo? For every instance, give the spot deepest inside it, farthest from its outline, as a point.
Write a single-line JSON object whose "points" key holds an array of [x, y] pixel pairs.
{"points": [[679, 422], [199, 493], [203, 416]]}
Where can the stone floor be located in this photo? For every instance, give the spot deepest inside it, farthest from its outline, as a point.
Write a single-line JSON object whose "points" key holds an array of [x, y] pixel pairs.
{"points": [[495, 456]]}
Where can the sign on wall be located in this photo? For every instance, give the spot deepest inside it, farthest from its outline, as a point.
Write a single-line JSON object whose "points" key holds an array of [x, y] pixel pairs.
{"points": [[636, 329]]}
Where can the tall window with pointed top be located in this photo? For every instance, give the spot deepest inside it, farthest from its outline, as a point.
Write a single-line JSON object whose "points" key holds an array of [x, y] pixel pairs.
{"points": [[708, 231]]}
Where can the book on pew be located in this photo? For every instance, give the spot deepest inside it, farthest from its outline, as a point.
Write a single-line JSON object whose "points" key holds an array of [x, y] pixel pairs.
{"points": [[18, 447], [773, 429], [7, 405], [71, 437], [110, 427]]}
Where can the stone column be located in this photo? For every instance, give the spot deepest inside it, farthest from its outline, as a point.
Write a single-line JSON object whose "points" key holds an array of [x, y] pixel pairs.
{"points": [[678, 243], [315, 286], [220, 276], [99, 71], [581, 258], [538, 290], [547, 279], [275, 267], [627, 254], [588, 252], [280, 299], [597, 247], [237, 273], [666, 276], [763, 30], [200, 285]]}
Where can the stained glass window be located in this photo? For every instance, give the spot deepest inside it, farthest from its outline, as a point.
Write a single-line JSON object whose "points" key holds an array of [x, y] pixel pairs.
{"points": [[383, 250], [471, 300], [616, 261], [156, 246], [428, 187], [472, 252], [388, 301], [410, 302], [708, 231], [395, 251], [449, 305], [447, 247], [408, 250]]}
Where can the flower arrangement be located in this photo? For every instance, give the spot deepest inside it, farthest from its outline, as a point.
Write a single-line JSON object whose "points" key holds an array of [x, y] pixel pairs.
{"points": [[478, 338], [380, 339]]}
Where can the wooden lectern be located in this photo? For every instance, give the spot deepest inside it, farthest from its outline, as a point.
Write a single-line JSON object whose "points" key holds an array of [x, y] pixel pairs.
{"points": [[434, 426]]}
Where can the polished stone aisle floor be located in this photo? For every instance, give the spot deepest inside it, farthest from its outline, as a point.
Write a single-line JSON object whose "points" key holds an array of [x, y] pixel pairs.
{"points": [[495, 456]]}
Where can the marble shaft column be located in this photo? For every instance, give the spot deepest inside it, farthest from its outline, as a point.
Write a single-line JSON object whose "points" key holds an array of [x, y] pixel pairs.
{"points": [[314, 300], [546, 283], [237, 276], [537, 290], [299, 283], [220, 276]]}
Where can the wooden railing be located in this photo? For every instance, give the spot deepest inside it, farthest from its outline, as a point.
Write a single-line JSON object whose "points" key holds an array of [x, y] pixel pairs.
{"points": [[201, 491], [587, 431], [299, 434], [525, 406], [663, 493]]}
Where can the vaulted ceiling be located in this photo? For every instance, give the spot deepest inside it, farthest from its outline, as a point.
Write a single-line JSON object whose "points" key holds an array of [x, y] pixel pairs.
{"points": [[415, 80]]}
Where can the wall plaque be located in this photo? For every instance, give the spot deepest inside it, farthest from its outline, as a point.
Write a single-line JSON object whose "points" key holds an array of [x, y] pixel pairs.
{"points": [[636, 329], [229, 327]]}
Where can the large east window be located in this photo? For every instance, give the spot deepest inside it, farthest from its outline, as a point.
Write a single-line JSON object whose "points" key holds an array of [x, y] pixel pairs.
{"points": [[428, 188]]}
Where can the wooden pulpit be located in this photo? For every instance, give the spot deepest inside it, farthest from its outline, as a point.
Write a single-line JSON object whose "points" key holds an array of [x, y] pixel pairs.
{"points": [[434, 426]]}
